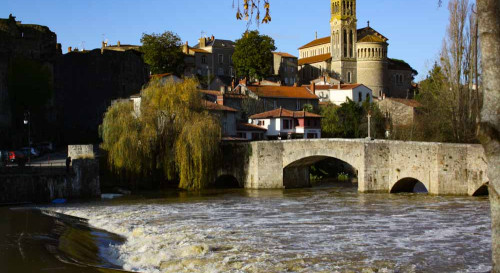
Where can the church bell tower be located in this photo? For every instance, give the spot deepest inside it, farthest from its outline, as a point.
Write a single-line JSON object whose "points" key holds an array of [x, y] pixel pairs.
{"points": [[343, 26]]}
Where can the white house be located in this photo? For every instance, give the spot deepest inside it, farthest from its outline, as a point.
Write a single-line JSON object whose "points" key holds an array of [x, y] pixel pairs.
{"points": [[284, 124], [338, 94]]}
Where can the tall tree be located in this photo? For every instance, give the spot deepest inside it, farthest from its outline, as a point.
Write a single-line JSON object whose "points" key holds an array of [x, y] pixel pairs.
{"points": [[172, 135], [253, 55], [163, 52], [488, 13], [457, 62]]}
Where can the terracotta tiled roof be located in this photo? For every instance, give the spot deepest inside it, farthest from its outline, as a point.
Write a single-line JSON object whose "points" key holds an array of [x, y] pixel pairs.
{"points": [[315, 59], [216, 107], [320, 41], [362, 32], [247, 127], [371, 39], [282, 92], [284, 54], [280, 112], [407, 102], [336, 87]]}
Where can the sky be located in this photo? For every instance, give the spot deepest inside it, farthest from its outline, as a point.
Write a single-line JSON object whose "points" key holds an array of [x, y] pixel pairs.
{"points": [[415, 28]]}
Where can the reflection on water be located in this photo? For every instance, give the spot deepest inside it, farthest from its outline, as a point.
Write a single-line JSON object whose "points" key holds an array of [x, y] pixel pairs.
{"points": [[33, 242], [308, 230]]}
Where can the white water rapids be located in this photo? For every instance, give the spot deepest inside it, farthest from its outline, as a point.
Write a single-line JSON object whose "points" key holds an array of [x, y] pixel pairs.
{"points": [[313, 230]]}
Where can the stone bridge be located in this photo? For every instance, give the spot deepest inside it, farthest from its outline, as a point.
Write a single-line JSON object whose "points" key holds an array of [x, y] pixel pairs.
{"points": [[381, 166]]}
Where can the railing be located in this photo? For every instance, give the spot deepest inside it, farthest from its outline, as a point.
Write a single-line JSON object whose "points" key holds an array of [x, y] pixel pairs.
{"points": [[46, 168]]}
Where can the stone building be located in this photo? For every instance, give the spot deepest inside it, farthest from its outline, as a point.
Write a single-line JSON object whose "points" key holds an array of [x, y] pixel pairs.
{"points": [[210, 57], [28, 41], [285, 68], [355, 56], [87, 82], [400, 112]]}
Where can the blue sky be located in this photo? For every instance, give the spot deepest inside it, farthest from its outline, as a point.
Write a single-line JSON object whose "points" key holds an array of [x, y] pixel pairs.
{"points": [[415, 28]]}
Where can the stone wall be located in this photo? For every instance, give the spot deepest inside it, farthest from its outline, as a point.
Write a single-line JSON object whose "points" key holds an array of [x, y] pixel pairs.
{"points": [[444, 169], [400, 114], [41, 185], [33, 42], [87, 82], [81, 151]]}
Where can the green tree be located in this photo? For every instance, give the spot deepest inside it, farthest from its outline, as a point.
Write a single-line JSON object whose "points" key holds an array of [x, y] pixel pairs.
{"points": [[173, 135], [349, 120], [163, 52], [253, 55]]}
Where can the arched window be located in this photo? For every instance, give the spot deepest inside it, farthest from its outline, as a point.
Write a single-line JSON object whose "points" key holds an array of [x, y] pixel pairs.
{"points": [[345, 43], [351, 41]]}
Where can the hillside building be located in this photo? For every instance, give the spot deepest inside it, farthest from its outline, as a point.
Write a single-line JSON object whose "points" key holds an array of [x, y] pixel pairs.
{"points": [[355, 56]]}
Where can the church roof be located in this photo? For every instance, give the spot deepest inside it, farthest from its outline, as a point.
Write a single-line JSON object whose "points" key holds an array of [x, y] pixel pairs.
{"points": [[366, 31], [284, 54], [320, 41], [371, 39], [315, 59], [395, 64]]}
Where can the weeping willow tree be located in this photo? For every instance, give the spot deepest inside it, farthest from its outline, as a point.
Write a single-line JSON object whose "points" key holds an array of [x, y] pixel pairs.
{"points": [[172, 134]]}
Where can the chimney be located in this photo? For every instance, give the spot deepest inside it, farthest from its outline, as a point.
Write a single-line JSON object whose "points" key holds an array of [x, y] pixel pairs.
{"points": [[316, 36], [223, 89], [295, 84], [185, 48], [339, 86], [203, 42], [232, 85], [70, 49], [313, 87], [212, 38], [220, 99], [243, 82], [118, 44]]}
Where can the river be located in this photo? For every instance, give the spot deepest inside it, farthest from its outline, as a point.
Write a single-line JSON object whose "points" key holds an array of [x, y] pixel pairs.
{"points": [[324, 229]]}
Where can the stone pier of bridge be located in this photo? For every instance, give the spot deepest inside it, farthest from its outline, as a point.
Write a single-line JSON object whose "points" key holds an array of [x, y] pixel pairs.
{"points": [[381, 166]]}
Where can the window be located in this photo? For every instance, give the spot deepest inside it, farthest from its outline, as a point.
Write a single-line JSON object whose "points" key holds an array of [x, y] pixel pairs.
{"points": [[221, 58], [349, 77], [261, 123], [203, 59], [367, 96], [360, 97], [287, 124], [220, 71]]}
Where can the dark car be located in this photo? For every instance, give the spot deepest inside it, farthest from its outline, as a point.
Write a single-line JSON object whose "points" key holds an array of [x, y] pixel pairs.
{"points": [[17, 157], [4, 158]]}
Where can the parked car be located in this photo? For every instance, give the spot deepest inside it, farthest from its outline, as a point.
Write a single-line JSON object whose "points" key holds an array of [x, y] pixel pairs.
{"points": [[4, 158], [17, 157], [27, 150], [45, 147]]}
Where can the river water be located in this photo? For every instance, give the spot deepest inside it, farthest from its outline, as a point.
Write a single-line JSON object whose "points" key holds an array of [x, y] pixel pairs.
{"points": [[307, 230]]}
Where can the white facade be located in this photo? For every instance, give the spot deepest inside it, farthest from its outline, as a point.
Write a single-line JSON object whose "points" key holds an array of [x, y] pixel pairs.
{"points": [[276, 127], [338, 96]]}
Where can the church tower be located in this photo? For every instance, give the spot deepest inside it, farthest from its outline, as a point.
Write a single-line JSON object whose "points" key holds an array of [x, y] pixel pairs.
{"points": [[343, 25]]}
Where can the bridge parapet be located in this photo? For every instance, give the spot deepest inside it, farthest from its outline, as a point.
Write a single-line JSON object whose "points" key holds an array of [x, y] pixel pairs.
{"points": [[444, 169]]}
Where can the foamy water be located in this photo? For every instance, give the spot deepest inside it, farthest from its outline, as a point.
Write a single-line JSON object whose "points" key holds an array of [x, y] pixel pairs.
{"points": [[317, 230]]}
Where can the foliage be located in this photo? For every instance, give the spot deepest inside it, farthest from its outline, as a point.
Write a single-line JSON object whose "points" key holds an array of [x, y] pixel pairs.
{"points": [[451, 101], [343, 177], [163, 53], [251, 7], [173, 135], [308, 108], [251, 106], [350, 120], [253, 55]]}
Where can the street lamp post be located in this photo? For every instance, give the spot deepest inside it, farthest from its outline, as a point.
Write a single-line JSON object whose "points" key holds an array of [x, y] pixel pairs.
{"points": [[27, 121], [369, 125]]}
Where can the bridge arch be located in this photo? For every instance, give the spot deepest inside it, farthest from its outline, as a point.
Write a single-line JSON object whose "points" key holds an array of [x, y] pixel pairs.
{"points": [[297, 174], [409, 184], [227, 181], [482, 191]]}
